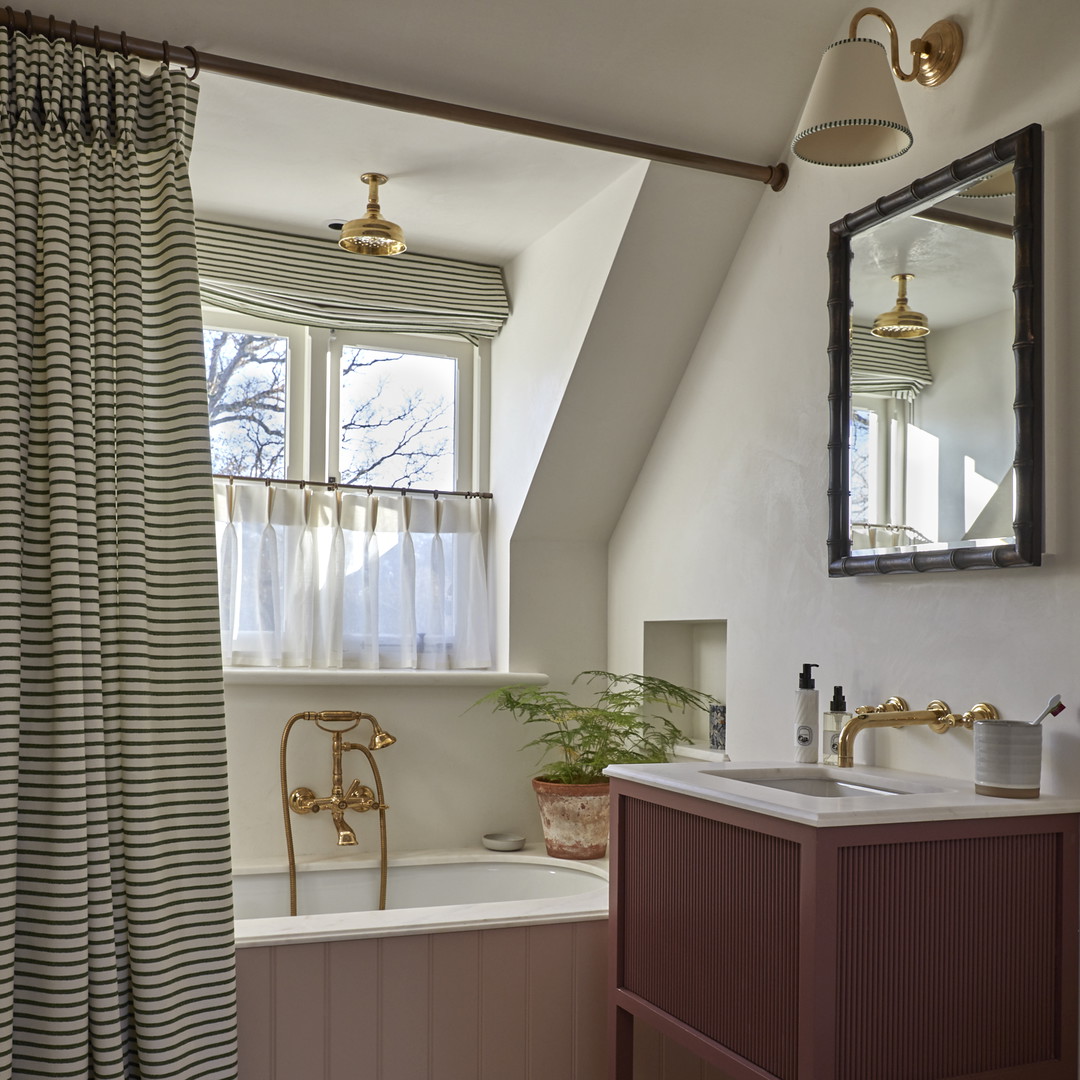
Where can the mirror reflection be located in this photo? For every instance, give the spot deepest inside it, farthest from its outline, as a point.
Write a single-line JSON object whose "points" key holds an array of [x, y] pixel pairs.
{"points": [[935, 351], [932, 383]]}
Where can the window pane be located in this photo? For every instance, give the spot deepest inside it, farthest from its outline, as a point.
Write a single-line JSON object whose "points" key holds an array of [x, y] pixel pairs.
{"points": [[245, 383], [397, 419], [863, 424]]}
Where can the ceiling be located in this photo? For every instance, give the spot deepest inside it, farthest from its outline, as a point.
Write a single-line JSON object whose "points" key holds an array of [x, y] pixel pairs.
{"points": [[456, 190], [725, 78], [960, 274]]}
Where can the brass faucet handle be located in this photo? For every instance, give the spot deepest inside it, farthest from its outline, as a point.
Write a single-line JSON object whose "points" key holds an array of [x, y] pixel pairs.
{"points": [[360, 797], [893, 704], [982, 711], [304, 801]]}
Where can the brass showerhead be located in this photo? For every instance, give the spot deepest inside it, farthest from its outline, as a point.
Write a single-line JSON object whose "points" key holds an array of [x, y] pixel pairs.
{"points": [[380, 738], [372, 234]]}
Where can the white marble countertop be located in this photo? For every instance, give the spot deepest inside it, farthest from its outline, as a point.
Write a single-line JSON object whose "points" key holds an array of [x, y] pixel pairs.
{"points": [[913, 796]]}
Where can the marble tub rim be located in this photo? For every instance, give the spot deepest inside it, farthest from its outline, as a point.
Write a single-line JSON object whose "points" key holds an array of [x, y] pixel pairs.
{"points": [[448, 918]]}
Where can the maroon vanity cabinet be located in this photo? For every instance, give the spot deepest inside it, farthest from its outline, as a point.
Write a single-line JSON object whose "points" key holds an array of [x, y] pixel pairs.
{"points": [[777, 950]]}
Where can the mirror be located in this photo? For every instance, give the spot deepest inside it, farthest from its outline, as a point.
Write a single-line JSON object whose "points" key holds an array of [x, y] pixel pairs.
{"points": [[935, 358]]}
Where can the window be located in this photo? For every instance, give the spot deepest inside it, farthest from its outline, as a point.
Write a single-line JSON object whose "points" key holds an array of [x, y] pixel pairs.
{"points": [[327, 577], [301, 403]]}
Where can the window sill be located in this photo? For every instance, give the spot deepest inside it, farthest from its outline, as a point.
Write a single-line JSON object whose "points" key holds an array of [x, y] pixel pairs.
{"points": [[239, 676]]}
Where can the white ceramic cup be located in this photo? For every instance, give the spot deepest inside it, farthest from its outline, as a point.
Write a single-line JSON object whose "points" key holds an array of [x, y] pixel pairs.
{"points": [[1008, 758]]}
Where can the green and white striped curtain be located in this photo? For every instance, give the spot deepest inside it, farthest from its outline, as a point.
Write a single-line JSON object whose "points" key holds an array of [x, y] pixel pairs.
{"points": [[313, 282], [887, 368], [115, 903]]}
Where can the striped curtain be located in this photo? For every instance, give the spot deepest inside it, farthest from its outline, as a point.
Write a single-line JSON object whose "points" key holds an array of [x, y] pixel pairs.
{"points": [[313, 282], [115, 905], [887, 368]]}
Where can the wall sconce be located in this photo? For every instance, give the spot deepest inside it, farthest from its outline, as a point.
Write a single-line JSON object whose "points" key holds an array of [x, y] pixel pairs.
{"points": [[901, 323], [853, 115], [372, 234]]}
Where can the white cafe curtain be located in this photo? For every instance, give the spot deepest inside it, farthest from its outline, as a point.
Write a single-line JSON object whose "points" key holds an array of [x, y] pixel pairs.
{"points": [[317, 577]]}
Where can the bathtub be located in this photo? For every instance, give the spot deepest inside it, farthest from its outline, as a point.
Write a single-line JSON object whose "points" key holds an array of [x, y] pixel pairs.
{"points": [[427, 892], [487, 965]]}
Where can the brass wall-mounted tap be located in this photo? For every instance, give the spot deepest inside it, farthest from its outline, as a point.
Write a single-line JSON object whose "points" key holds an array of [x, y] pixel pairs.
{"points": [[895, 713], [359, 797]]}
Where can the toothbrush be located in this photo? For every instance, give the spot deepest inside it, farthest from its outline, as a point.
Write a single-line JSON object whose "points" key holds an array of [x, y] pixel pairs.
{"points": [[1053, 707]]}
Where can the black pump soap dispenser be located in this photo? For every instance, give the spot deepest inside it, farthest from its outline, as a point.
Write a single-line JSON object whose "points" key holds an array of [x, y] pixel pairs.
{"points": [[806, 718]]}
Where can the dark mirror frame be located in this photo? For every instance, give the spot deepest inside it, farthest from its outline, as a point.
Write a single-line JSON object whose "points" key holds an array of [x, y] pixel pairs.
{"points": [[1024, 150]]}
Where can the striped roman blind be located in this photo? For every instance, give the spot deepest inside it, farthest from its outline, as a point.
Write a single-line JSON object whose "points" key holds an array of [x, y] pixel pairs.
{"points": [[888, 368], [297, 279]]}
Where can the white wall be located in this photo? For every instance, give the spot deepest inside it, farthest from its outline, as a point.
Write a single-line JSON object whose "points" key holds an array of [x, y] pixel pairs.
{"points": [[742, 453], [969, 410], [454, 774]]}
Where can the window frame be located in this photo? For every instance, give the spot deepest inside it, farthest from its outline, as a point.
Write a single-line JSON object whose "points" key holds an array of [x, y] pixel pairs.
{"points": [[313, 391]]}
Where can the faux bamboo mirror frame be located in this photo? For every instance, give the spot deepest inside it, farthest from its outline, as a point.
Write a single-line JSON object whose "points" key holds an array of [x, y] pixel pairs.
{"points": [[876, 234]]}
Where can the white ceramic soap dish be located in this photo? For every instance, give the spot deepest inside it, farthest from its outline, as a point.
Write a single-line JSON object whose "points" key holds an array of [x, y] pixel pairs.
{"points": [[501, 841]]}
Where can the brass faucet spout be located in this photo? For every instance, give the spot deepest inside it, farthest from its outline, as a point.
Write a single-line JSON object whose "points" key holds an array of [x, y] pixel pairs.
{"points": [[345, 834], [894, 713]]}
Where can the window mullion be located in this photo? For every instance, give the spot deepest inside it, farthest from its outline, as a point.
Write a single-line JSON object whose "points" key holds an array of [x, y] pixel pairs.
{"points": [[322, 449]]}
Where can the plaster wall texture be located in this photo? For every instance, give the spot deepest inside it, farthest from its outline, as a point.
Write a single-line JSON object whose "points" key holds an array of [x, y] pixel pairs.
{"points": [[454, 774], [742, 454]]}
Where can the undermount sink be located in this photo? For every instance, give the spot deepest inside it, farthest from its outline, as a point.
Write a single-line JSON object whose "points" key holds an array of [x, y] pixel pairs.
{"points": [[822, 782], [819, 787]]}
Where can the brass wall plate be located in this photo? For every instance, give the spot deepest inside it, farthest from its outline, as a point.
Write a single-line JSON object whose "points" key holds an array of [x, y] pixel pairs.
{"points": [[944, 42]]}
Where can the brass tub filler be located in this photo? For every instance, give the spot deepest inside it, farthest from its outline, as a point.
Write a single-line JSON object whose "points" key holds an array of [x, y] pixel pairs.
{"points": [[359, 797]]}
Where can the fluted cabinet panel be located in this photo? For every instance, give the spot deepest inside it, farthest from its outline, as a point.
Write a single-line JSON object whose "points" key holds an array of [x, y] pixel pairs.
{"points": [[717, 948], [933, 933]]}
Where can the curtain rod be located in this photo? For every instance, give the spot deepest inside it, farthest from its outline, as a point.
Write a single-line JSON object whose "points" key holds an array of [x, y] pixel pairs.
{"points": [[967, 221], [334, 485], [775, 176]]}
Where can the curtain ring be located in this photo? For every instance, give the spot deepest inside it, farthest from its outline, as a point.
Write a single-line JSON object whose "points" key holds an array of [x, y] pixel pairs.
{"points": [[73, 32], [123, 44], [29, 22], [9, 21], [51, 32], [195, 70], [97, 39], [166, 54]]}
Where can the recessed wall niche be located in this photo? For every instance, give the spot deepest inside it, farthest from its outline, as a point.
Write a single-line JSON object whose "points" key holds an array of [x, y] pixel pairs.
{"points": [[691, 653]]}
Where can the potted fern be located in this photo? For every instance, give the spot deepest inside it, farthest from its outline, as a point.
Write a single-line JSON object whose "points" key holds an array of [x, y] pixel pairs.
{"points": [[621, 725]]}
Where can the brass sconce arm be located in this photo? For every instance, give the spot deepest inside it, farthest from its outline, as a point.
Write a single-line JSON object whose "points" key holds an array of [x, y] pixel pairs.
{"points": [[895, 713], [935, 54]]}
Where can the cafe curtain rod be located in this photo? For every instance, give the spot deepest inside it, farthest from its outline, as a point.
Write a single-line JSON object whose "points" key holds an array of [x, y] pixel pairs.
{"points": [[370, 489], [775, 176]]}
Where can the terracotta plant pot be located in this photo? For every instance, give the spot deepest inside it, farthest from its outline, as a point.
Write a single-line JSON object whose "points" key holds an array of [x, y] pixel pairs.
{"points": [[575, 819]]}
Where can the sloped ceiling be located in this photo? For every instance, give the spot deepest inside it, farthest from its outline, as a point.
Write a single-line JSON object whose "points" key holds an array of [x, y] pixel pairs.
{"points": [[720, 78]]}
